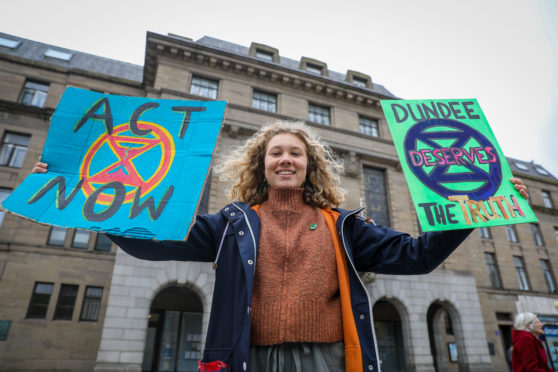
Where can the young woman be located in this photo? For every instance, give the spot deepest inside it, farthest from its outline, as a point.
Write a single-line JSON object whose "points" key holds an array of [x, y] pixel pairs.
{"points": [[287, 293]]}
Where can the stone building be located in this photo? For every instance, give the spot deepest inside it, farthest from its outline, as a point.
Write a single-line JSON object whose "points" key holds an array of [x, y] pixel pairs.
{"points": [[69, 300]]}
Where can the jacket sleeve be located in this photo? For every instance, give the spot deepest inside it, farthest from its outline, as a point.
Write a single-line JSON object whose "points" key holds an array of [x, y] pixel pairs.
{"points": [[528, 354], [385, 251], [199, 246]]}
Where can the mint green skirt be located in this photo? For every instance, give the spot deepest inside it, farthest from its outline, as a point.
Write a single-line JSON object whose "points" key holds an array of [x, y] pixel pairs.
{"points": [[298, 357]]}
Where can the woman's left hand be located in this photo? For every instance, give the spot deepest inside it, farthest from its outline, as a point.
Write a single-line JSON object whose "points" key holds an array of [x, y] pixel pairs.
{"points": [[519, 186]]}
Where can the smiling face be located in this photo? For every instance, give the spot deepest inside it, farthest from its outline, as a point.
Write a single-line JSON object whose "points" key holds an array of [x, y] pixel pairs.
{"points": [[285, 161]]}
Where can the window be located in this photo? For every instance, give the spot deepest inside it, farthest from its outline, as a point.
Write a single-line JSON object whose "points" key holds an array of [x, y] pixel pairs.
{"points": [[318, 114], [541, 171], [58, 54], [359, 82], [81, 239], [12, 44], [265, 55], [66, 301], [103, 243], [38, 305], [511, 234], [521, 274], [4, 193], [537, 236], [5, 326], [549, 277], [204, 87], [376, 195], [493, 271], [547, 200], [264, 101], [521, 166], [368, 126], [556, 233], [34, 94], [485, 233], [14, 148], [91, 304], [314, 69], [57, 236]]}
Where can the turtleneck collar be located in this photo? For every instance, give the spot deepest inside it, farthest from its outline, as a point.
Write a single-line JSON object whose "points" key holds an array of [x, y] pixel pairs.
{"points": [[286, 198]]}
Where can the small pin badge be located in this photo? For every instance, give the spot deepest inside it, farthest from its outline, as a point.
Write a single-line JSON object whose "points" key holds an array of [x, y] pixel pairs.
{"points": [[313, 226]]}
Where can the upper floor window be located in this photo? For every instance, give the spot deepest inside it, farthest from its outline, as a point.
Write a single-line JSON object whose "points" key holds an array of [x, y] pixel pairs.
{"points": [[521, 166], [81, 239], [556, 233], [57, 236], [541, 171], [360, 82], [264, 54], [547, 199], [537, 236], [493, 271], [4, 193], [204, 87], [14, 148], [264, 101], [318, 114], [91, 304], [511, 234], [66, 302], [8, 43], [521, 273], [376, 195], [314, 69], [485, 233], [34, 93], [58, 54], [368, 126], [548, 276], [103, 243], [40, 299]]}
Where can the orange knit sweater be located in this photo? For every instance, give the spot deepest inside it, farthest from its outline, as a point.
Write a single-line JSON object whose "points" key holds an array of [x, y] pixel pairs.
{"points": [[296, 289]]}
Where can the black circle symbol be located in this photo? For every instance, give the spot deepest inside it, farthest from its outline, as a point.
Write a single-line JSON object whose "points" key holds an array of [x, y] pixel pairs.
{"points": [[439, 176]]}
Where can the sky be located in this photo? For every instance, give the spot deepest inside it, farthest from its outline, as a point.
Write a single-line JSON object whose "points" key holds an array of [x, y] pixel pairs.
{"points": [[504, 53]]}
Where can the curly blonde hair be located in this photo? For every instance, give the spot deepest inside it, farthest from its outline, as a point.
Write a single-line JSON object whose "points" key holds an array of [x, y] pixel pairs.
{"points": [[246, 166]]}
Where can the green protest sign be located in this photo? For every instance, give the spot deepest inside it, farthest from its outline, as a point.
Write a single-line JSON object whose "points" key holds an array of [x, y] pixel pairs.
{"points": [[455, 169]]}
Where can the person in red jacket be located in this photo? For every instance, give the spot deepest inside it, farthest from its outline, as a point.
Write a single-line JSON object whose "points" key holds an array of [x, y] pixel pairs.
{"points": [[528, 353]]}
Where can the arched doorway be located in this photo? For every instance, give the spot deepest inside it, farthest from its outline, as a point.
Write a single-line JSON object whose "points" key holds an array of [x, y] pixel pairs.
{"points": [[389, 335], [444, 336], [173, 338]]}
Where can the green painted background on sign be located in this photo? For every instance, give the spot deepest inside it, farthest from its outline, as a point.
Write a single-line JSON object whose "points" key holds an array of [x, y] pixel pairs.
{"points": [[455, 169]]}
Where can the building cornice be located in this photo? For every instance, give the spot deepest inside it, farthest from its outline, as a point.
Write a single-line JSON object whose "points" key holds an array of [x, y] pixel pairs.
{"points": [[41, 112], [182, 49]]}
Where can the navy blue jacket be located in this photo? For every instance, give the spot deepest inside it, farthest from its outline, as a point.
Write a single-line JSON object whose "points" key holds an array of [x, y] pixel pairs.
{"points": [[230, 239]]}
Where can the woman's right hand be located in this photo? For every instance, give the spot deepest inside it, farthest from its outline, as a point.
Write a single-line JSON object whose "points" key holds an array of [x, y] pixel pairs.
{"points": [[40, 167]]}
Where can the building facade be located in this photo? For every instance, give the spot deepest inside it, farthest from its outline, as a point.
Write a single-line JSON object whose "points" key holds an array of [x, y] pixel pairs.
{"points": [[69, 300]]}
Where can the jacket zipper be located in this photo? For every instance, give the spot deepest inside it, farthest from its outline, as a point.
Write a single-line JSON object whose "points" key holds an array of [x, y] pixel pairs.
{"points": [[220, 246], [361, 283]]}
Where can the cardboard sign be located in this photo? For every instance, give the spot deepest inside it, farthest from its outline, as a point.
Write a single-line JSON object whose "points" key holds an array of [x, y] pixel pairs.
{"points": [[455, 169], [128, 166]]}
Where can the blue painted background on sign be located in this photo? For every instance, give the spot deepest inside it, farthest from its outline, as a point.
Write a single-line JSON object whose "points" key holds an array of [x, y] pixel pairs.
{"points": [[124, 165]]}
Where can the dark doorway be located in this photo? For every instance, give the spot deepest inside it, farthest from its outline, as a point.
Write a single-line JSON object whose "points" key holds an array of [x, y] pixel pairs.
{"points": [[173, 338], [387, 325]]}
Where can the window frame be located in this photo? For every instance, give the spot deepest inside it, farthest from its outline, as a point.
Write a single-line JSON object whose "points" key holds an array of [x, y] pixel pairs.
{"points": [[510, 230], [80, 245], [97, 238], [548, 275], [87, 301], [64, 303], [2, 198], [195, 82], [521, 272], [493, 270], [537, 235], [32, 87], [367, 124], [377, 215], [547, 199], [261, 104], [13, 149], [34, 298], [485, 233], [316, 113]]}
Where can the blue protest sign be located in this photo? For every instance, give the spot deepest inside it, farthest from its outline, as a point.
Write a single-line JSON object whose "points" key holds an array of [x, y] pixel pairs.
{"points": [[128, 166]]}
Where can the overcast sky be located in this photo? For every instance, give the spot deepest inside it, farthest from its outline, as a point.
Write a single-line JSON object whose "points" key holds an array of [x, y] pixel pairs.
{"points": [[502, 52]]}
